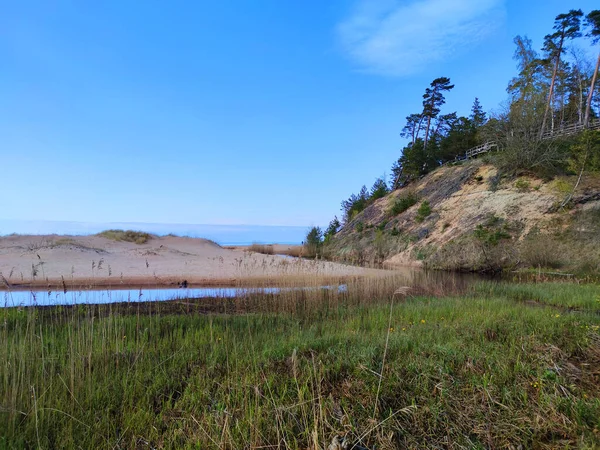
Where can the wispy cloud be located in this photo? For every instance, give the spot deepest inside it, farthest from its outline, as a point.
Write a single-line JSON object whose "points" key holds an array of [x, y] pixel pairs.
{"points": [[391, 37]]}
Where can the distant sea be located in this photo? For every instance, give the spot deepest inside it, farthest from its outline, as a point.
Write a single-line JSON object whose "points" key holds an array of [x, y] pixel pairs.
{"points": [[222, 234]]}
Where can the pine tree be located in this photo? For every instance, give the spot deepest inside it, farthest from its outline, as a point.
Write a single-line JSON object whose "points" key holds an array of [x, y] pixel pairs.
{"points": [[379, 189], [433, 99], [478, 116], [567, 27], [412, 129], [593, 22]]}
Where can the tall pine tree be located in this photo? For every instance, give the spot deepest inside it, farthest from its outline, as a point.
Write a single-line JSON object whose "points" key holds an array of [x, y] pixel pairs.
{"points": [[567, 27], [433, 99], [593, 22]]}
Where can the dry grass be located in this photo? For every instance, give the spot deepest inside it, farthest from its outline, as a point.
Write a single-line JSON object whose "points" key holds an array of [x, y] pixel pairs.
{"points": [[265, 249]]}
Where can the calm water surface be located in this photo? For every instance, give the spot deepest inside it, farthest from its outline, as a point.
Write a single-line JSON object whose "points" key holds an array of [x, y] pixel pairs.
{"points": [[99, 297]]}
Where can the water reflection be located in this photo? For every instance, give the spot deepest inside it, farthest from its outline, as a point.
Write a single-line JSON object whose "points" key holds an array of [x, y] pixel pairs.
{"points": [[100, 297], [433, 282]]}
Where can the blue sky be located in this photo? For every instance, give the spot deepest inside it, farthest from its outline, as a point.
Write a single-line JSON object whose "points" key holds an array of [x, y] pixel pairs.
{"points": [[263, 112]]}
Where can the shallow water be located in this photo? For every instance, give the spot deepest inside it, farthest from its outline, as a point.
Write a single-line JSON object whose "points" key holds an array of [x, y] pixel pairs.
{"points": [[99, 297], [409, 276]]}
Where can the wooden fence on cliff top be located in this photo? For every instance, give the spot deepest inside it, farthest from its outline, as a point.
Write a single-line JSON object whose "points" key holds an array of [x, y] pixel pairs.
{"points": [[566, 130]]}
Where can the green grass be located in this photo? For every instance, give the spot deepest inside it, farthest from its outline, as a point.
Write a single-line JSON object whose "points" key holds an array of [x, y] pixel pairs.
{"points": [[138, 237], [565, 295], [481, 371]]}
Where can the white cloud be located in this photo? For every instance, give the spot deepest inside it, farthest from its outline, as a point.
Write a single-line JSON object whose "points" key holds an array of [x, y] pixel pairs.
{"points": [[391, 37]]}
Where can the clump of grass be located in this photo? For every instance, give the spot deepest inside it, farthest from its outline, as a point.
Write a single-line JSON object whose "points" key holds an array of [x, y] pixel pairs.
{"points": [[423, 212], [522, 185], [138, 237]]}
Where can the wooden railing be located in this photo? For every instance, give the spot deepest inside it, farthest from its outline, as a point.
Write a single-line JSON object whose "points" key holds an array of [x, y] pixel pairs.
{"points": [[566, 130]]}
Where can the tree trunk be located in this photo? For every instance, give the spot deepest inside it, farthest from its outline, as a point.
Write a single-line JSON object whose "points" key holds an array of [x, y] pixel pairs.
{"points": [[591, 94], [580, 103], [551, 87], [427, 132], [417, 131]]}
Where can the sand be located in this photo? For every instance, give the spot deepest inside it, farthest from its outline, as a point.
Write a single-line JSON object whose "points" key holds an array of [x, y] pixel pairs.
{"points": [[27, 261]]}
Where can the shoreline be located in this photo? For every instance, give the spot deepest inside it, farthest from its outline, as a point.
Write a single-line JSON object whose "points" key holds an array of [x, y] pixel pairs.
{"points": [[87, 262], [147, 283]]}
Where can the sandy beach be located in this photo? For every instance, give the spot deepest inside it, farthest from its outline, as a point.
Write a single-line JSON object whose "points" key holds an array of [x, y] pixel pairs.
{"points": [[33, 260]]}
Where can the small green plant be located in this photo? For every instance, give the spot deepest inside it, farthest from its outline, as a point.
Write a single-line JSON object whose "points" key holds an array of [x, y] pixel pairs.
{"points": [[492, 231], [423, 212], [562, 186], [359, 227], [402, 203], [522, 185], [395, 232]]}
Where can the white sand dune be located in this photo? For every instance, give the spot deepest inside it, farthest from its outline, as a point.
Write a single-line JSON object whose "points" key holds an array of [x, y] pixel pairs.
{"points": [[95, 260]]}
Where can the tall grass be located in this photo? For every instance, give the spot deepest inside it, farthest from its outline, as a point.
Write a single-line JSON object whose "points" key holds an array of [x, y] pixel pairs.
{"points": [[265, 249], [477, 371]]}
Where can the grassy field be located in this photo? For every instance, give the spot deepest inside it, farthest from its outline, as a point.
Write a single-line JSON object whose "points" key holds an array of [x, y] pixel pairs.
{"points": [[485, 369]]}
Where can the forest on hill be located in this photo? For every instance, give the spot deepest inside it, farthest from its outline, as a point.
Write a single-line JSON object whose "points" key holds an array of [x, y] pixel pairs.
{"points": [[552, 89], [548, 128]]}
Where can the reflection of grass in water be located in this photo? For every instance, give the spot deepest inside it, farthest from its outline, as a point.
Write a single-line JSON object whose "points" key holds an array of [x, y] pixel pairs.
{"points": [[476, 372]]}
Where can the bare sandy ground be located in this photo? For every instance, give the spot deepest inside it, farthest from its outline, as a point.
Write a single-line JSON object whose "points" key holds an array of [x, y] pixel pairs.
{"points": [[27, 261]]}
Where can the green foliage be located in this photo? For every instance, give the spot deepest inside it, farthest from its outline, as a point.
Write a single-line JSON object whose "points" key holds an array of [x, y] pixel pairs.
{"points": [[379, 190], [331, 230], [137, 237], [585, 152], [423, 212], [402, 203], [357, 203], [314, 236], [492, 231], [522, 185], [313, 241], [359, 227]]}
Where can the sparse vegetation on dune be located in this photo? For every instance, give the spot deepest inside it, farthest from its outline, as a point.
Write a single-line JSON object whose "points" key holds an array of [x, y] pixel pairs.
{"points": [[477, 371], [138, 237]]}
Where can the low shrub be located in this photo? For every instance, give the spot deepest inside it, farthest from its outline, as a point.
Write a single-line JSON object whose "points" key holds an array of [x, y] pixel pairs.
{"points": [[402, 203], [138, 237], [423, 212], [522, 185]]}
